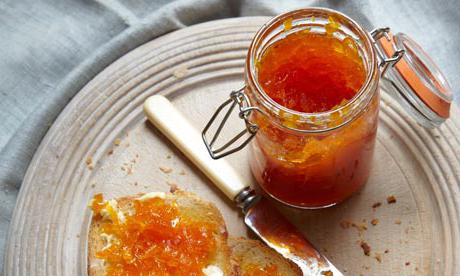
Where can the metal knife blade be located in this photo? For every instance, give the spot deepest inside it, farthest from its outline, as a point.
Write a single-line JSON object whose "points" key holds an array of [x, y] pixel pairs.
{"points": [[278, 233]]}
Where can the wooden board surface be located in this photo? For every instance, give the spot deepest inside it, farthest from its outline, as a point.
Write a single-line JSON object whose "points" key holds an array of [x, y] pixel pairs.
{"points": [[102, 143]]}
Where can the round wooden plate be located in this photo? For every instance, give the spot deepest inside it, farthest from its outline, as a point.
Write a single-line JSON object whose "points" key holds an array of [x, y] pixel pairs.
{"points": [[102, 143]]}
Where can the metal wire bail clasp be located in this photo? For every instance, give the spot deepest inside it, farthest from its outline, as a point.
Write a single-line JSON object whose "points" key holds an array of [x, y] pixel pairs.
{"points": [[385, 61], [240, 99]]}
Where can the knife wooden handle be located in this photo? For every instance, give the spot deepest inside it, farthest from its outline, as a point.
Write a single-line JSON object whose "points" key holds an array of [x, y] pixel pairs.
{"points": [[165, 117]]}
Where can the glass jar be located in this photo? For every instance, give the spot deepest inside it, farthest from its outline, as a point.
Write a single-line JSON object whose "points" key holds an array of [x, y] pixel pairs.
{"points": [[316, 160], [313, 160]]}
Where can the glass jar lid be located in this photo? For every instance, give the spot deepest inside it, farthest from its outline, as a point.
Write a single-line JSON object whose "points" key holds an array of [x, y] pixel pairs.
{"points": [[415, 81]]}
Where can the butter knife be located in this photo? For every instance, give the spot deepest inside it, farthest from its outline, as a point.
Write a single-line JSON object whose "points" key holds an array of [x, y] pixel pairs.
{"points": [[260, 216]]}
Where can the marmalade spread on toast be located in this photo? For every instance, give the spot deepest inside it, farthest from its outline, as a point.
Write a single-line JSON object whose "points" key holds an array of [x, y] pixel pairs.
{"points": [[153, 238]]}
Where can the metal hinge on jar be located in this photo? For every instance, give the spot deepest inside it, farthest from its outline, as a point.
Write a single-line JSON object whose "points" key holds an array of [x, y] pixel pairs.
{"points": [[237, 99], [385, 61]]}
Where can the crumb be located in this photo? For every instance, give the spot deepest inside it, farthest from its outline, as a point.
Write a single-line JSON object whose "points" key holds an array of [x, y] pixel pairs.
{"points": [[366, 248], [378, 257], [360, 274], [407, 263], [166, 169], [376, 205], [180, 72], [110, 152], [327, 273], [78, 235], [146, 187], [386, 251], [117, 142], [128, 168], [416, 268], [398, 221], [360, 227], [374, 222], [93, 185], [345, 224], [137, 155], [135, 183], [364, 220], [182, 172], [89, 162], [168, 156], [173, 188], [391, 199]]}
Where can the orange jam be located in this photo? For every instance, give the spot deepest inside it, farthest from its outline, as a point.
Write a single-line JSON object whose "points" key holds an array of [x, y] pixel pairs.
{"points": [[256, 270], [313, 72], [155, 239], [98, 203]]}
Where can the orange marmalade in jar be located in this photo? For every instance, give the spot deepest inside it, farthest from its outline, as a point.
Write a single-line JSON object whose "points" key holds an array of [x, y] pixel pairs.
{"points": [[319, 87], [311, 103]]}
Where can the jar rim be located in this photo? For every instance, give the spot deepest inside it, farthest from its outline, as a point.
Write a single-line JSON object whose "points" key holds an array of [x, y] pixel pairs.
{"points": [[278, 21]]}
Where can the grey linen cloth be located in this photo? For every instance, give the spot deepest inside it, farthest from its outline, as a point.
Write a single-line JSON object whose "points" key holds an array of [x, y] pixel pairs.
{"points": [[49, 49]]}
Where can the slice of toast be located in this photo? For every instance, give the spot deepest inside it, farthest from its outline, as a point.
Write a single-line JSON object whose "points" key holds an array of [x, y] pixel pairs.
{"points": [[255, 258], [191, 208]]}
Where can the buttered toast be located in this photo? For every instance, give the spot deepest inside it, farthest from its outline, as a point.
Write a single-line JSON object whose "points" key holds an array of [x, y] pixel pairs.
{"points": [[157, 233]]}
